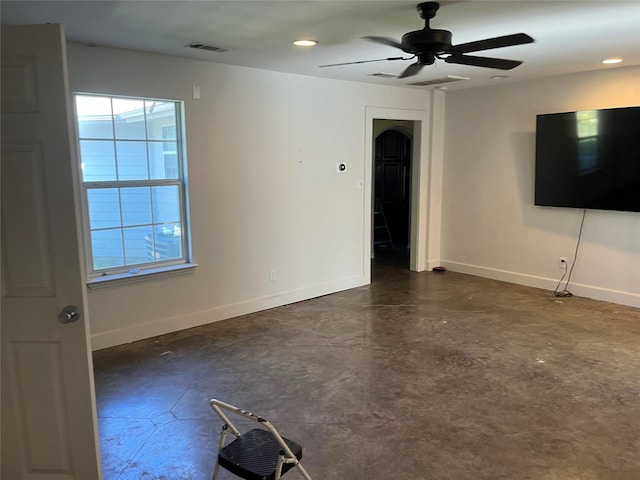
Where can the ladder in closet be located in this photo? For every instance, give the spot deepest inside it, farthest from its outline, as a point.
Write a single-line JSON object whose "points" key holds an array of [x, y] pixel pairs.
{"points": [[381, 232]]}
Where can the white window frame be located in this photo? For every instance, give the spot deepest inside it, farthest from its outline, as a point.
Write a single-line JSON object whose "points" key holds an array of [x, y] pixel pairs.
{"points": [[98, 278]]}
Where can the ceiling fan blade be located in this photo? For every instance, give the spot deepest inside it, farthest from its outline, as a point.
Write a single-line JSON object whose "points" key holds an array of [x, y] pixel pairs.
{"points": [[499, 63], [489, 43], [364, 61], [385, 41], [411, 70]]}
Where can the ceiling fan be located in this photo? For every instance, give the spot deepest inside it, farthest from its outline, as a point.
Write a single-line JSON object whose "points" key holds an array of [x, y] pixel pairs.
{"points": [[428, 44]]}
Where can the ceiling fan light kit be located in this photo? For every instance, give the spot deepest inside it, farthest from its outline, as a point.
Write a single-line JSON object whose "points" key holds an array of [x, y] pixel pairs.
{"points": [[429, 44]]}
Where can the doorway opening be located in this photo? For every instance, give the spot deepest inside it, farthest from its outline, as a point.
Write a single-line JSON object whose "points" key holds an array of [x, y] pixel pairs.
{"points": [[416, 125], [392, 191]]}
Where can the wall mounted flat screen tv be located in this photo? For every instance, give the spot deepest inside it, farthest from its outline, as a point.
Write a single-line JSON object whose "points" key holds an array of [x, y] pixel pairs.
{"points": [[589, 159]]}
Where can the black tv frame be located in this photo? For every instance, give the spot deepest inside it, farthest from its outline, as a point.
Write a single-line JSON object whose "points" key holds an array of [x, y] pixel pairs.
{"points": [[589, 159]]}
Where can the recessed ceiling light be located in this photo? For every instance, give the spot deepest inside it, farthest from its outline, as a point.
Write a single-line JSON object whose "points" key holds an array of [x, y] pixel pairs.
{"points": [[305, 43], [612, 60], [498, 77]]}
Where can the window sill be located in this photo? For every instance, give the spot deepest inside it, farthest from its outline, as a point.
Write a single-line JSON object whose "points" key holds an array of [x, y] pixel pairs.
{"points": [[106, 281]]}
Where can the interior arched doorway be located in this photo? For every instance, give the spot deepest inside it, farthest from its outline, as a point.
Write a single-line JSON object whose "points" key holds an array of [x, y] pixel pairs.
{"points": [[392, 180], [420, 242]]}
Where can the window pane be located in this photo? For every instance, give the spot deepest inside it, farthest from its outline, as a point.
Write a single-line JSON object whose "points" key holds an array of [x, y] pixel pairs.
{"points": [[138, 245], [104, 208], [136, 206], [98, 160], [163, 162], [168, 241], [107, 249], [132, 161], [161, 120], [166, 204], [129, 118], [94, 117]]}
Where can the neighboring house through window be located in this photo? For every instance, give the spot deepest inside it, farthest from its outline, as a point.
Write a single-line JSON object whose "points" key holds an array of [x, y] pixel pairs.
{"points": [[133, 171]]}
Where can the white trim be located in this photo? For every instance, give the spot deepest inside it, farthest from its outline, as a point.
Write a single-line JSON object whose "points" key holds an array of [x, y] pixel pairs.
{"points": [[115, 280], [172, 324], [436, 164], [420, 187], [431, 264], [581, 290]]}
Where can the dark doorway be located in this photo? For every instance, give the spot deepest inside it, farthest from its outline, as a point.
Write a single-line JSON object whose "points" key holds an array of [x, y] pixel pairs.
{"points": [[392, 190]]}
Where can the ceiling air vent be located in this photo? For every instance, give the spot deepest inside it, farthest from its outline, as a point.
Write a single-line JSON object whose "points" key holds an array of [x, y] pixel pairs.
{"points": [[384, 75], [438, 81], [202, 46]]}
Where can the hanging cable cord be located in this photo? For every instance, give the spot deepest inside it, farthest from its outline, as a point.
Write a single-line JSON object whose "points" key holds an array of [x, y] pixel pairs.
{"points": [[564, 292]]}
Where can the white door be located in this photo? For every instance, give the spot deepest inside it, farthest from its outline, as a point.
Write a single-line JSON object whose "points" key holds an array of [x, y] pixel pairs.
{"points": [[48, 407]]}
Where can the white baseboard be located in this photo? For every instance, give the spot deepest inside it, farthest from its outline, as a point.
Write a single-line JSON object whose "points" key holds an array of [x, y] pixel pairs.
{"points": [[194, 319], [589, 291]]}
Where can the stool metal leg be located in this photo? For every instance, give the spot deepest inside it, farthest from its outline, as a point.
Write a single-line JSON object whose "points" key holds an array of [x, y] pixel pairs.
{"points": [[223, 434], [279, 466], [303, 471]]}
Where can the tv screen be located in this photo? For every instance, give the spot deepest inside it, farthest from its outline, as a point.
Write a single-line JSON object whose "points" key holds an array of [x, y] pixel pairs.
{"points": [[589, 159]]}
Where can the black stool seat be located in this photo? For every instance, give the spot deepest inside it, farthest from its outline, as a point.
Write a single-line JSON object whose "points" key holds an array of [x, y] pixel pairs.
{"points": [[254, 455]]}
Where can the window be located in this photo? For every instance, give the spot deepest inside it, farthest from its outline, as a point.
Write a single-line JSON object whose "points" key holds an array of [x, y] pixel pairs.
{"points": [[133, 170]]}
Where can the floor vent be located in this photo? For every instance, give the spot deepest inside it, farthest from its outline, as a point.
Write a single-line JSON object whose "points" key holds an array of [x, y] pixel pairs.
{"points": [[438, 81], [202, 46]]}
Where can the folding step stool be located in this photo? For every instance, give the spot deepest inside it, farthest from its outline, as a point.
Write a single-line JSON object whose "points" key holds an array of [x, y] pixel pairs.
{"points": [[258, 454]]}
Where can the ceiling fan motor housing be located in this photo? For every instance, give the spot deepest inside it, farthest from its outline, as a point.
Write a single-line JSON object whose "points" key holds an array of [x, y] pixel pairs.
{"points": [[426, 41]]}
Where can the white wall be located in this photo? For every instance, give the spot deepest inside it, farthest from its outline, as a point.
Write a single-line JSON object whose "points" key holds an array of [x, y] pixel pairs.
{"points": [[491, 227], [264, 192]]}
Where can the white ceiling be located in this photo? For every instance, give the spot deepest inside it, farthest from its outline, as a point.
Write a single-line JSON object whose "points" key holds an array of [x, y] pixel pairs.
{"points": [[570, 36]]}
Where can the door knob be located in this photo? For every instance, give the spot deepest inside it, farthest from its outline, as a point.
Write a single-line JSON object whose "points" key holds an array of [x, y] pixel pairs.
{"points": [[69, 314]]}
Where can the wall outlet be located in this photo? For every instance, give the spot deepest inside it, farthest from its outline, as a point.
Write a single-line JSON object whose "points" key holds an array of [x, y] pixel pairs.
{"points": [[562, 263], [272, 275]]}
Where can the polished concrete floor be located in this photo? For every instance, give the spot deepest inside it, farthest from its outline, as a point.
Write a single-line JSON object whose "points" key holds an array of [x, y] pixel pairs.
{"points": [[416, 376]]}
